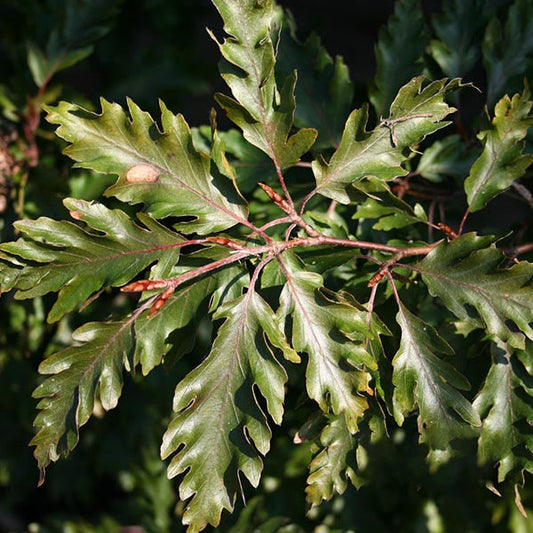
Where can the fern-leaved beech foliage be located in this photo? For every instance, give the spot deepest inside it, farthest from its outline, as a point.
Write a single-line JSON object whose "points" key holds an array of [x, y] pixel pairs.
{"points": [[314, 237]]}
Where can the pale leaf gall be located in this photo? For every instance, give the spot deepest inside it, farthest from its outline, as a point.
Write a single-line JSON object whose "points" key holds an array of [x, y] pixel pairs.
{"points": [[142, 174]]}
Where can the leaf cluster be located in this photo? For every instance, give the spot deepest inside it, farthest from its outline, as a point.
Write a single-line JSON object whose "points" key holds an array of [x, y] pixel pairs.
{"points": [[332, 253]]}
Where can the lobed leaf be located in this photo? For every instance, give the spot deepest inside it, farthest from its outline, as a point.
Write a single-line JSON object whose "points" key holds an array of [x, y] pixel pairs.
{"points": [[80, 376], [502, 160], [153, 330], [465, 274], [180, 181], [423, 379], [264, 113], [331, 329], [324, 91], [399, 52], [220, 430], [378, 202], [446, 157], [330, 468], [250, 164], [458, 29], [63, 257], [416, 112], [505, 404], [508, 50]]}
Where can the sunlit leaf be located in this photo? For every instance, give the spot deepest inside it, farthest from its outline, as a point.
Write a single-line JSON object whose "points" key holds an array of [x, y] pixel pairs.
{"points": [[160, 168], [465, 275], [219, 431], [331, 330], [334, 464], [79, 376], [113, 249], [264, 113], [416, 112], [505, 404], [425, 381], [502, 160]]}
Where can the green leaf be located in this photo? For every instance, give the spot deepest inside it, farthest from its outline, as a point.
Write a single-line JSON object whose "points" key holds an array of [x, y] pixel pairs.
{"points": [[334, 464], [264, 114], [152, 331], [502, 160], [505, 404], [271, 132], [178, 180], [399, 53], [458, 29], [416, 112], [80, 376], [9, 272], [424, 380], [331, 329], [381, 204], [465, 274], [446, 157], [250, 164], [37, 63], [508, 51], [65, 258], [324, 91], [220, 430]]}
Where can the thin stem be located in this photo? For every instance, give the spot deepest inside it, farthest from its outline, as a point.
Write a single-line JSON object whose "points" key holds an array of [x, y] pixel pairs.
{"points": [[305, 200], [393, 287], [461, 226]]}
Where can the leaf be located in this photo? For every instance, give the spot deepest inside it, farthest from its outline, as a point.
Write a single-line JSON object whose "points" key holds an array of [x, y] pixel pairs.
{"points": [[505, 404], [264, 114], [399, 52], [37, 64], [381, 204], [152, 330], [458, 29], [9, 272], [446, 157], [422, 379], [331, 329], [180, 182], [324, 91], [250, 164], [415, 113], [220, 430], [464, 273], [79, 376], [271, 133], [502, 160], [508, 50], [62, 257], [334, 464]]}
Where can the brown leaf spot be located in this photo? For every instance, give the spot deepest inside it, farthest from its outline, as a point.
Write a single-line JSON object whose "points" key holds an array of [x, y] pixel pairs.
{"points": [[76, 215], [142, 174]]}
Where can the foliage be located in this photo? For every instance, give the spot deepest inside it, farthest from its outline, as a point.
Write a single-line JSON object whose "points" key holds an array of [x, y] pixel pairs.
{"points": [[329, 275]]}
